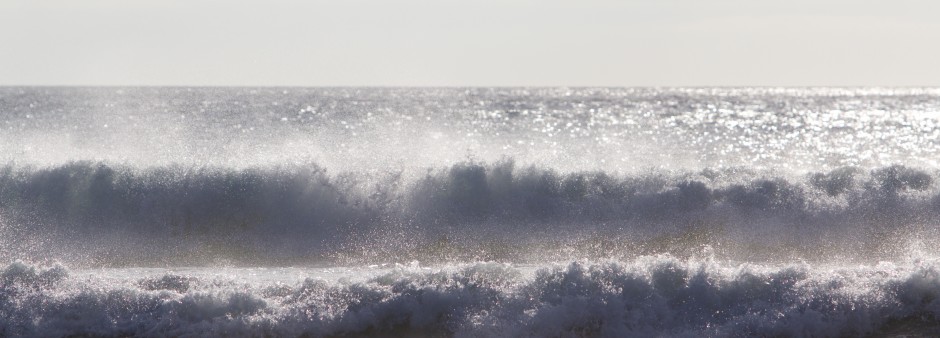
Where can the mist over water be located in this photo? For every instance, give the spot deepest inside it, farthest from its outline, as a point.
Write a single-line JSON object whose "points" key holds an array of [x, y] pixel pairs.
{"points": [[360, 129], [484, 211]]}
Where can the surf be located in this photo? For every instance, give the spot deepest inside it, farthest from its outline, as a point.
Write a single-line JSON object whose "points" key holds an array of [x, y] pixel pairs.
{"points": [[103, 213], [165, 211]]}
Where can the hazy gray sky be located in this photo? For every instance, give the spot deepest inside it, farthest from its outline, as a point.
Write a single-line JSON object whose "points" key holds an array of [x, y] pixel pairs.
{"points": [[470, 43]]}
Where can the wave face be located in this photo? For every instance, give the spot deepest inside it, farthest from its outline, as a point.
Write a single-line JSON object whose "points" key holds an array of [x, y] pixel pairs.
{"points": [[469, 212], [96, 214], [650, 296]]}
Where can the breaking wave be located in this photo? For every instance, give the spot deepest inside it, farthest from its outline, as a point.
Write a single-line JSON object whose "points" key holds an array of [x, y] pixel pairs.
{"points": [[100, 213], [648, 296]]}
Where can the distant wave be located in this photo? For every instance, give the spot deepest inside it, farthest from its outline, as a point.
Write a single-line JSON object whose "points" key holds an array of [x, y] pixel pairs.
{"points": [[649, 296], [467, 210]]}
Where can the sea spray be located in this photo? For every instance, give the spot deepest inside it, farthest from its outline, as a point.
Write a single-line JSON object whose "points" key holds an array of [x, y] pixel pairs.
{"points": [[107, 213]]}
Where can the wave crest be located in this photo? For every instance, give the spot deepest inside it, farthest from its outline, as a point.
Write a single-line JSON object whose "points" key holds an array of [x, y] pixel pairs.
{"points": [[470, 209]]}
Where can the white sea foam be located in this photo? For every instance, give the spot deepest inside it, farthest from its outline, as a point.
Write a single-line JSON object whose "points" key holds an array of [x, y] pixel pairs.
{"points": [[651, 295]]}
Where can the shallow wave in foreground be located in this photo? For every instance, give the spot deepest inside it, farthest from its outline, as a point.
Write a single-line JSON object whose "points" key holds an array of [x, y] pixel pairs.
{"points": [[648, 296]]}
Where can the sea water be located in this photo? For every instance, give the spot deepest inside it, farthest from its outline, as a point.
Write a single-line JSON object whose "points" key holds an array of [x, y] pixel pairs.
{"points": [[165, 211]]}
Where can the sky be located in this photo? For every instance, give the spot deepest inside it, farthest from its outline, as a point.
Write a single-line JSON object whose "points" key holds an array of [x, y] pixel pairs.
{"points": [[470, 43]]}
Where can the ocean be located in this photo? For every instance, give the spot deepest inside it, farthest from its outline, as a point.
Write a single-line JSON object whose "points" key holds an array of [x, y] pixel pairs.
{"points": [[466, 212]]}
